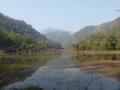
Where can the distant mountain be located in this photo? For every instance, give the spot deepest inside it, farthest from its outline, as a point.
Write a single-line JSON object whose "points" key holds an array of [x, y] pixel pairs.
{"points": [[85, 32], [10, 24], [58, 35], [105, 27], [50, 30]]}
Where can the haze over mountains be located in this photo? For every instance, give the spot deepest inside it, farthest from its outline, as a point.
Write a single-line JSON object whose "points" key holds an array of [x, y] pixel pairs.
{"points": [[54, 34], [57, 35], [66, 38]]}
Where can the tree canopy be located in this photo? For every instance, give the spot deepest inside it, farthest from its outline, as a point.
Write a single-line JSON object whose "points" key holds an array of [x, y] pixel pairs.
{"points": [[100, 41], [11, 41]]}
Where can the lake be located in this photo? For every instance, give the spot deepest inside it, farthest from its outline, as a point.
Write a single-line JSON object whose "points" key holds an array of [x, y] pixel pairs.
{"points": [[61, 71]]}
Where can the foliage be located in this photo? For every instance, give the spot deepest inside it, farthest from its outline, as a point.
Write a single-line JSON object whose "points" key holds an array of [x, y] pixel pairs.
{"points": [[100, 41], [89, 30], [16, 35], [19, 26], [14, 42]]}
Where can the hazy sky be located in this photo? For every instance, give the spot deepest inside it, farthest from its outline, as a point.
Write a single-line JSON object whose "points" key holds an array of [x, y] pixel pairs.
{"points": [[70, 15]]}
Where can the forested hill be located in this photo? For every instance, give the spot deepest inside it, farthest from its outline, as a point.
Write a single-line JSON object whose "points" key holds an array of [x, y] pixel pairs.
{"points": [[10, 24], [105, 27], [17, 36], [102, 37]]}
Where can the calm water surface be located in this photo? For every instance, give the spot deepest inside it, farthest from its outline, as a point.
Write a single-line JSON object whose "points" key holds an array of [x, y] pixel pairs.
{"points": [[59, 73]]}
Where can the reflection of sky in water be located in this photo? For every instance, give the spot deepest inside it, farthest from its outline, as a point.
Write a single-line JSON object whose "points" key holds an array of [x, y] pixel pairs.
{"points": [[56, 76]]}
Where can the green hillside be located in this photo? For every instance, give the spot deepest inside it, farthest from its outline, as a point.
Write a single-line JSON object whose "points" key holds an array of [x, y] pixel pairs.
{"points": [[10, 24], [102, 37], [105, 27], [16, 35]]}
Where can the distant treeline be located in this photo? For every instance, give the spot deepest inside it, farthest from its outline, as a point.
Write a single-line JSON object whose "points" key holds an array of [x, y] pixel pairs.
{"points": [[100, 41], [14, 42]]}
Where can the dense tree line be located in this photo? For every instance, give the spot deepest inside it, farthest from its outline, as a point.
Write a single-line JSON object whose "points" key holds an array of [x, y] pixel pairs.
{"points": [[100, 41], [14, 42]]}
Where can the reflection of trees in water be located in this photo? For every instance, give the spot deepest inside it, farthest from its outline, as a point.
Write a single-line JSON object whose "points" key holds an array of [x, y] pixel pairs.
{"points": [[67, 79], [85, 58], [22, 66], [64, 78], [114, 57]]}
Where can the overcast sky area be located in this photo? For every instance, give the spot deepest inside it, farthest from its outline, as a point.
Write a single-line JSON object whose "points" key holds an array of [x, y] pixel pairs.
{"points": [[69, 15]]}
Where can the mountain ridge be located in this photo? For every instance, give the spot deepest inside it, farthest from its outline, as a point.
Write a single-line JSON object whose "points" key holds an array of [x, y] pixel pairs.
{"points": [[57, 35], [104, 27], [19, 26]]}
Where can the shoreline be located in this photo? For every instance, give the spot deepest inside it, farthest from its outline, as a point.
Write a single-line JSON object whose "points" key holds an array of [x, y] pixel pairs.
{"points": [[107, 68]]}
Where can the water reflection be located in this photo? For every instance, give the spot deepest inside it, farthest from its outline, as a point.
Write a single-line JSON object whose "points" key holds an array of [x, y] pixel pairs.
{"points": [[95, 57], [107, 64], [59, 74], [16, 68]]}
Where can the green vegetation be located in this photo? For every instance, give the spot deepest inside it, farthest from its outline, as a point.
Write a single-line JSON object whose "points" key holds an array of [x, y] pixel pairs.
{"points": [[14, 42], [21, 50], [89, 30], [98, 49], [102, 37], [17, 36], [19, 26], [100, 41]]}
